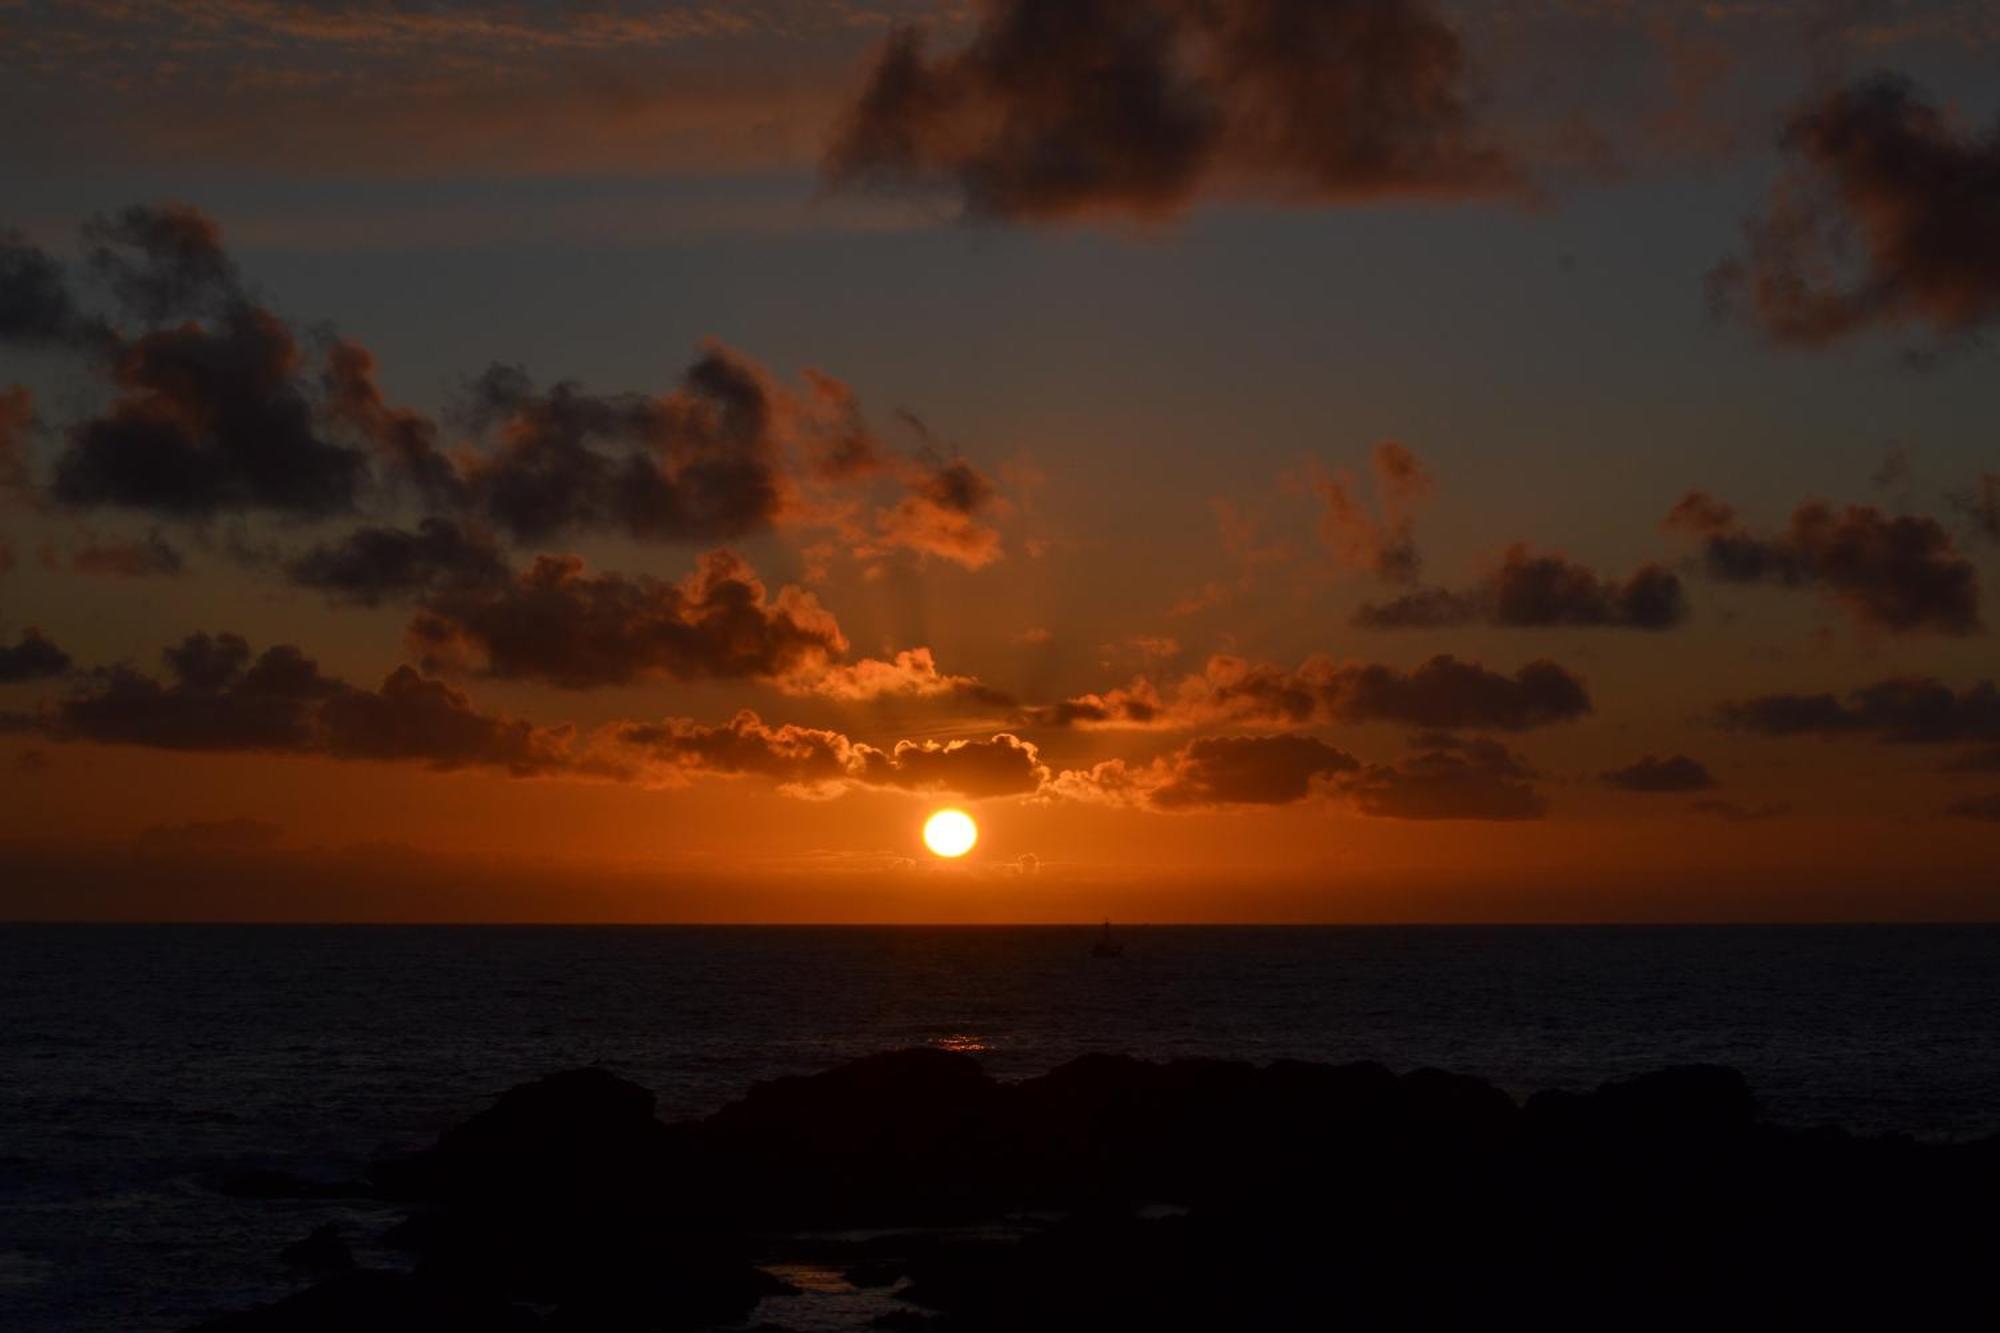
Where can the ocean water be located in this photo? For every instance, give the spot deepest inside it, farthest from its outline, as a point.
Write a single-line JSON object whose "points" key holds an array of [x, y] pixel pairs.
{"points": [[138, 1061]]}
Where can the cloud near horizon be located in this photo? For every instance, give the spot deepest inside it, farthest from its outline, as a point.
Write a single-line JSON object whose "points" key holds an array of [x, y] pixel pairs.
{"points": [[217, 696], [1446, 777], [1440, 693], [1675, 773]]}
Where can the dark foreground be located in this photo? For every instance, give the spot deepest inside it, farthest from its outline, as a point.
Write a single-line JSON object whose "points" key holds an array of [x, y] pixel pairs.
{"points": [[1120, 1194]]}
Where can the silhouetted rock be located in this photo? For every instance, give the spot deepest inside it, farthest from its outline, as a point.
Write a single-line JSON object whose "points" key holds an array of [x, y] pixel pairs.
{"points": [[904, 1136], [1190, 1194], [322, 1251], [258, 1182], [365, 1302]]}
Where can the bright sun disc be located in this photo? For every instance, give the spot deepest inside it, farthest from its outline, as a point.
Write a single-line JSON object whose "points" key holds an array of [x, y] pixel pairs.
{"points": [[950, 833]]}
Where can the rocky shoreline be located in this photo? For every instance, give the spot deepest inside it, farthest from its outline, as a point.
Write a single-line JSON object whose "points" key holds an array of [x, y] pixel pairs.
{"points": [[1114, 1193]]}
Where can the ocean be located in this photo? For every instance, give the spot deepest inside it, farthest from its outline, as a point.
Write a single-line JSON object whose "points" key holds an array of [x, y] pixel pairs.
{"points": [[139, 1062]]}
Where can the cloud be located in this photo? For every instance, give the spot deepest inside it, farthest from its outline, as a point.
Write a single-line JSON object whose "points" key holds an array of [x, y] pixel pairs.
{"points": [[813, 761], [1002, 765], [1980, 503], [372, 564], [700, 463], [1902, 574], [152, 556], [36, 307], [1650, 774], [1539, 591], [940, 514], [563, 625], [405, 440], [219, 409], [217, 697], [1448, 778], [162, 261], [910, 673], [1249, 770], [559, 623], [1739, 814], [32, 657], [208, 420], [1906, 710], [1888, 217], [1382, 544], [1062, 108], [1443, 693]]}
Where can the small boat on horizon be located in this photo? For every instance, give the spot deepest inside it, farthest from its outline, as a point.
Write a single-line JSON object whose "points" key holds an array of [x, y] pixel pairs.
{"points": [[1106, 947]]}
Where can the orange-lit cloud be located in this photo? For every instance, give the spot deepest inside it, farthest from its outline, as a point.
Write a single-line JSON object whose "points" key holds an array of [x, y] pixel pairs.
{"points": [[813, 761], [1383, 544]]}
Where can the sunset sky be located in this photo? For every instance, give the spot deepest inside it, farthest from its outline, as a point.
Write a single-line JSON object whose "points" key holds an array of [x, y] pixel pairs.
{"points": [[1323, 460]]}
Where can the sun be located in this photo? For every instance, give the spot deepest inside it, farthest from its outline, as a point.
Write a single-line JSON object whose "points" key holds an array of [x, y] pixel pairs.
{"points": [[950, 833]]}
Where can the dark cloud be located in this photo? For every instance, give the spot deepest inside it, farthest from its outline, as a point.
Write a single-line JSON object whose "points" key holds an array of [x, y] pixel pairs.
{"points": [[1446, 692], [217, 697], [794, 756], [162, 261], [1249, 770], [1382, 543], [32, 657], [218, 409], [209, 419], [1652, 774], [1901, 573], [371, 565], [816, 761], [1448, 777], [1907, 710], [1443, 692], [1058, 108], [406, 441], [563, 625], [1980, 504], [701, 463], [1739, 814], [36, 306], [1539, 591], [110, 558], [1889, 217]]}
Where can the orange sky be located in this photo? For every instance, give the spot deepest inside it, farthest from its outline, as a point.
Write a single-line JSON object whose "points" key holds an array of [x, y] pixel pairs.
{"points": [[636, 464]]}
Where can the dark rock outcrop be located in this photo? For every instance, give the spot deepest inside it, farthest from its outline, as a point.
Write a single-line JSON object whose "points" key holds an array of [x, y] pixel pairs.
{"points": [[1199, 1194]]}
